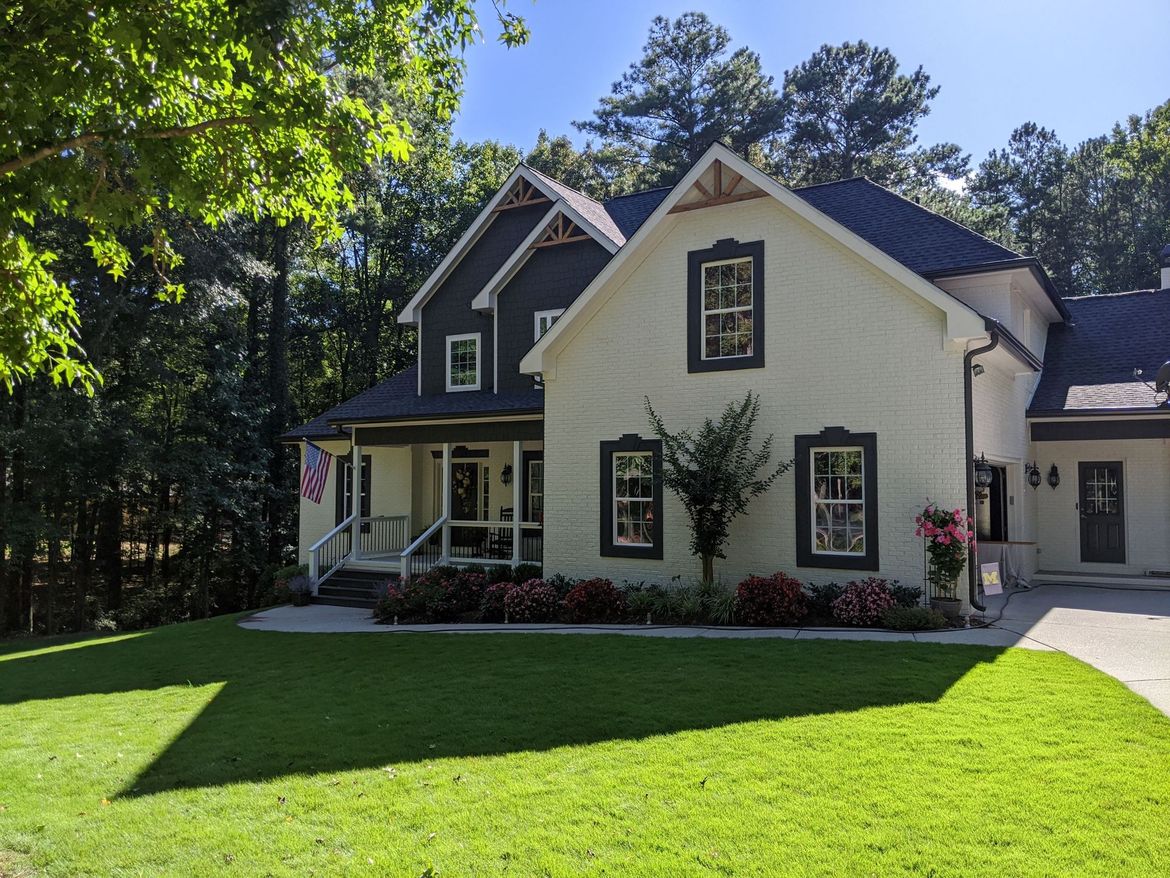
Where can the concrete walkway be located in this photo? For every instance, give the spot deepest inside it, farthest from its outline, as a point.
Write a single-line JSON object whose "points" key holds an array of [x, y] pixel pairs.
{"points": [[1123, 632]]}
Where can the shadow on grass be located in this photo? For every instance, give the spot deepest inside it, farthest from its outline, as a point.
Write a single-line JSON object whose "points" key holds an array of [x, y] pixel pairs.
{"points": [[326, 703]]}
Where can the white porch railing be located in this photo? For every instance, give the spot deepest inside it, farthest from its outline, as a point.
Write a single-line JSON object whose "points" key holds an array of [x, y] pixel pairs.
{"points": [[425, 551], [384, 534], [329, 553], [495, 542]]}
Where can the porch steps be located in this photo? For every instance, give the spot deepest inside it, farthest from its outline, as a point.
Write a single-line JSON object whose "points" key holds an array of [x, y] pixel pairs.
{"points": [[352, 588]]}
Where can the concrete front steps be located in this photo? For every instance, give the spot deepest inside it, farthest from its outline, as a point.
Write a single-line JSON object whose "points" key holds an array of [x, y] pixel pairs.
{"points": [[353, 588]]}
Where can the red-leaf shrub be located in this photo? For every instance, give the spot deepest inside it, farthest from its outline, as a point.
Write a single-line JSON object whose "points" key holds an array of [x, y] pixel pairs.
{"points": [[531, 601], [770, 600], [864, 601], [491, 608], [396, 603], [594, 600]]}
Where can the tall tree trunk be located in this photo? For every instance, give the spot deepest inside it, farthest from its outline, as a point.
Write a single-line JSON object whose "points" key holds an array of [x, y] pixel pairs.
{"points": [[109, 544], [278, 394]]}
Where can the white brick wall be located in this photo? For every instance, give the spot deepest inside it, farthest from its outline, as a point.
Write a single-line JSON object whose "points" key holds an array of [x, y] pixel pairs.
{"points": [[999, 403], [844, 346], [1146, 483]]}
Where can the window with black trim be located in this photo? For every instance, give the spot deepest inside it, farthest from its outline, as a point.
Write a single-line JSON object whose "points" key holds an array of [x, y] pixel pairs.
{"points": [[631, 497], [725, 307], [836, 500]]}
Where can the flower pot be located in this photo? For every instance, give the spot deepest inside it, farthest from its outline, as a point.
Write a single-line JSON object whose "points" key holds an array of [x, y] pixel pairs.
{"points": [[949, 607], [301, 598]]}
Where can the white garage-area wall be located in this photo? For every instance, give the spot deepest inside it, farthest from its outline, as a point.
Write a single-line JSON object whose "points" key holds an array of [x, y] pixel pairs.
{"points": [[1146, 498]]}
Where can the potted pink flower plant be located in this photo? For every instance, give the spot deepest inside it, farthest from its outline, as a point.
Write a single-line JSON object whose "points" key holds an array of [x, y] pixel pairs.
{"points": [[949, 537]]}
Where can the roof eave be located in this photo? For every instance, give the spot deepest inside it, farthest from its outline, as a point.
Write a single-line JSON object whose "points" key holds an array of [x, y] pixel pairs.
{"points": [[1029, 262]]}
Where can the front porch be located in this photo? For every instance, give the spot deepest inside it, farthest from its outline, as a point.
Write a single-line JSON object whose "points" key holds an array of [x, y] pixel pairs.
{"points": [[421, 504]]}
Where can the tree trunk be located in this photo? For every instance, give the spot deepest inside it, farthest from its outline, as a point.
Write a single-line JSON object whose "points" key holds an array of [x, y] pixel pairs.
{"points": [[278, 395], [81, 550], [708, 574], [109, 544]]}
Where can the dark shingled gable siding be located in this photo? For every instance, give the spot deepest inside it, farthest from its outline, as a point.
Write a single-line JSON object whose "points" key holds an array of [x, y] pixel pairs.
{"points": [[448, 312], [552, 278]]}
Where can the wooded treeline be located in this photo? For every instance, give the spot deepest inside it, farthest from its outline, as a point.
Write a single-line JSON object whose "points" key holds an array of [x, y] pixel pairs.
{"points": [[166, 494]]}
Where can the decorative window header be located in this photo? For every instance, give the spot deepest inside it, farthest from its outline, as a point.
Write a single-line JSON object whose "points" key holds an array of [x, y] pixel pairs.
{"points": [[725, 307], [836, 500]]}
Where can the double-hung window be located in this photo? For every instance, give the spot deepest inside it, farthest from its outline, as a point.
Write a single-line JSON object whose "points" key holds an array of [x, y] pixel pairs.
{"points": [[725, 307], [836, 500], [463, 362], [631, 498]]}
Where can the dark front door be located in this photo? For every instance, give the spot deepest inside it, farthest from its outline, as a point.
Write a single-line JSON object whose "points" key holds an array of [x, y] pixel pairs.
{"points": [[1102, 511], [465, 491]]}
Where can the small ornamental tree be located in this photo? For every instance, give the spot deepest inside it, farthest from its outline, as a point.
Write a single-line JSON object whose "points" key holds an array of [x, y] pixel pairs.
{"points": [[716, 473]]}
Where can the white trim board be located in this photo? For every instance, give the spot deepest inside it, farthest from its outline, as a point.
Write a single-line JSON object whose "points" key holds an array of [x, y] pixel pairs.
{"points": [[962, 324]]}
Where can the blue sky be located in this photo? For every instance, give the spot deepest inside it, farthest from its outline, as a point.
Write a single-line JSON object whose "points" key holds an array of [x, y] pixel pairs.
{"points": [[1074, 66]]}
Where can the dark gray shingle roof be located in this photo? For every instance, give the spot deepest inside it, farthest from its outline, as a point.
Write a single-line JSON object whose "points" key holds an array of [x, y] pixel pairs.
{"points": [[922, 240], [1089, 362], [397, 398], [590, 209], [630, 211]]}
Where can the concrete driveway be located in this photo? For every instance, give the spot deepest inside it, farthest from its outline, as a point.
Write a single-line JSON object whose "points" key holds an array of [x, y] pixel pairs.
{"points": [[1123, 632]]}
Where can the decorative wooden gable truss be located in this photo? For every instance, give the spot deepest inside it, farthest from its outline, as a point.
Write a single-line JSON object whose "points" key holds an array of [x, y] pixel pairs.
{"points": [[522, 194], [561, 230], [718, 185]]}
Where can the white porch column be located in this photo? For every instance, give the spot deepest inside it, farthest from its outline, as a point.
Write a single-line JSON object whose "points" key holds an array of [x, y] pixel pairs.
{"points": [[355, 505], [446, 502], [517, 499]]}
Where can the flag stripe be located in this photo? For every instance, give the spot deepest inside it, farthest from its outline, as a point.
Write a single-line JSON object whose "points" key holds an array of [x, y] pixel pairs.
{"points": [[315, 472]]}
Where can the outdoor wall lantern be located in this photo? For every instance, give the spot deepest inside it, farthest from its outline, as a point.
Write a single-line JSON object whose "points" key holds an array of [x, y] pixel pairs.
{"points": [[983, 473], [1054, 477], [1034, 477], [506, 474]]}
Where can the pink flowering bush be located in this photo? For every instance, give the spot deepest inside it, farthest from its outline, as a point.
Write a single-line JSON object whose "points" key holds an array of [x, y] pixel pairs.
{"points": [[594, 600], [948, 538], [864, 601], [770, 600], [491, 608], [531, 601]]}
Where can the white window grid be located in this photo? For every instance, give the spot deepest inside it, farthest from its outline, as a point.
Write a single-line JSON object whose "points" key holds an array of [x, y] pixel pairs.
{"points": [[843, 500], [731, 283], [633, 498], [463, 362]]}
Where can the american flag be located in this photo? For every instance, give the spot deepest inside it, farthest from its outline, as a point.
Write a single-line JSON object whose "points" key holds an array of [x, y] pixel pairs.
{"points": [[315, 472]]}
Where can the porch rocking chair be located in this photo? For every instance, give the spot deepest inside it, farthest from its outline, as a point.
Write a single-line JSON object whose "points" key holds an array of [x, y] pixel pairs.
{"points": [[500, 542]]}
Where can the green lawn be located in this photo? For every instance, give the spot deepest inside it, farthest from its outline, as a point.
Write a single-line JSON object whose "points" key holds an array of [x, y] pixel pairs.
{"points": [[205, 749]]}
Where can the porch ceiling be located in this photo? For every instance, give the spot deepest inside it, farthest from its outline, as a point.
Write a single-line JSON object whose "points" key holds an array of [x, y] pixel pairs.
{"points": [[463, 432]]}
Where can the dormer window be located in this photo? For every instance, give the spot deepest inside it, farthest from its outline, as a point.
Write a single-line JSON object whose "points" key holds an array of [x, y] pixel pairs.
{"points": [[725, 307], [463, 362]]}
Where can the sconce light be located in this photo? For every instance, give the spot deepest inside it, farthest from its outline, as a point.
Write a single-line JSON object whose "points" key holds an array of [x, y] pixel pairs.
{"points": [[978, 369], [506, 474], [1034, 477], [1054, 477], [983, 472]]}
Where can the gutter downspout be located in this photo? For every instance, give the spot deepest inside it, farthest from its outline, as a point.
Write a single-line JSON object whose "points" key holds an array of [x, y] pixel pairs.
{"points": [[969, 425]]}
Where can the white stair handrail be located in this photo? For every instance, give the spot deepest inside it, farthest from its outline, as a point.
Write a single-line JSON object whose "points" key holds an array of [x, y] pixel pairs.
{"points": [[315, 575], [408, 552]]}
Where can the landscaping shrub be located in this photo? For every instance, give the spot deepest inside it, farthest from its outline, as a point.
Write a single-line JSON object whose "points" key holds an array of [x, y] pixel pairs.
{"points": [[718, 603], [392, 605], [819, 598], [594, 600], [863, 601], [531, 601], [641, 600], [445, 593], [300, 590], [526, 572], [906, 595], [491, 608], [912, 619], [562, 584], [770, 600]]}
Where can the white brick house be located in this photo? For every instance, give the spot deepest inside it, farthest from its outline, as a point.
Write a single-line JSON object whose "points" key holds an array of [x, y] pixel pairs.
{"points": [[865, 323]]}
